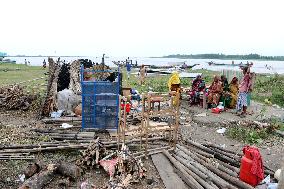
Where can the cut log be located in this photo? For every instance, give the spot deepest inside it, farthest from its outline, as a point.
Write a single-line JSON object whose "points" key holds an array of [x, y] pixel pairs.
{"points": [[216, 154], [197, 150], [69, 169], [227, 155], [197, 145], [223, 149], [33, 168], [223, 175], [235, 169], [188, 179], [41, 179], [212, 177], [191, 171]]}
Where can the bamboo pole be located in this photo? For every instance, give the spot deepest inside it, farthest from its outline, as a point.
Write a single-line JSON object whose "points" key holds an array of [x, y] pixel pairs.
{"points": [[225, 176], [193, 173], [188, 179], [220, 182]]}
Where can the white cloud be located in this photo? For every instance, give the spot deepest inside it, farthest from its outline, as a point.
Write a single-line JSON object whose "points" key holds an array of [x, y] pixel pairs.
{"points": [[141, 27]]}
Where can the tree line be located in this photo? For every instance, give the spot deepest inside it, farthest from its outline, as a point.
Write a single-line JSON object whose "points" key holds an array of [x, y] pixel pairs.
{"points": [[223, 56]]}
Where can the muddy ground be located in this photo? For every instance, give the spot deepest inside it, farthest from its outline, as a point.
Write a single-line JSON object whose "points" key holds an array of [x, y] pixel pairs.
{"points": [[15, 126]]}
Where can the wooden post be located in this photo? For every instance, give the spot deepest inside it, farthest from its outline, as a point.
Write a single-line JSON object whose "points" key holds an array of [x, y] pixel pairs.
{"points": [[119, 123], [142, 120], [124, 122]]}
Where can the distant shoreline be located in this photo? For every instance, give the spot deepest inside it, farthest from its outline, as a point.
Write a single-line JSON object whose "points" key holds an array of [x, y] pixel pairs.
{"points": [[44, 56], [225, 57]]}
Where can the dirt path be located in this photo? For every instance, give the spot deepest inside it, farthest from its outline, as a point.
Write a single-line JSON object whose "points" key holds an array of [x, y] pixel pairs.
{"points": [[203, 129]]}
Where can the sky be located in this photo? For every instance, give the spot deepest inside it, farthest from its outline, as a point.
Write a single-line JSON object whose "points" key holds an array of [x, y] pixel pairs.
{"points": [[141, 28]]}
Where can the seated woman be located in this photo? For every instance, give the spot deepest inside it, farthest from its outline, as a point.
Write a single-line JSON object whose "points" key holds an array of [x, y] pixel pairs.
{"points": [[226, 97], [215, 91], [198, 85], [234, 90]]}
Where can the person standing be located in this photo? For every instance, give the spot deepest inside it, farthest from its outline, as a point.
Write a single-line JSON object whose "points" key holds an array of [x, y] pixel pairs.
{"points": [[128, 69], [244, 87], [143, 73], [44, 64]]}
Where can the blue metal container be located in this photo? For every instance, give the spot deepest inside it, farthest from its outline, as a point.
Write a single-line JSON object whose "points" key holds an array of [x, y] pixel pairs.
{"points": [[100, 101]]}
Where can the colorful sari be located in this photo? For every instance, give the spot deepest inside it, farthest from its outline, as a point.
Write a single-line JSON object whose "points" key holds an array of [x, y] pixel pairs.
{"points": [[215, 91], [198, 85], [234, 90]]}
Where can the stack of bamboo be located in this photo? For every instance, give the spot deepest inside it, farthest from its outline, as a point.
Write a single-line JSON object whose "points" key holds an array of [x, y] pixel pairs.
{"points": [[209, 166]]}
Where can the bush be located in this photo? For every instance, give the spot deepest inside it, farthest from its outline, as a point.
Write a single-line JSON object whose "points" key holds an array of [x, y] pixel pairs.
{"points": [[248, 135], [274, 86]]}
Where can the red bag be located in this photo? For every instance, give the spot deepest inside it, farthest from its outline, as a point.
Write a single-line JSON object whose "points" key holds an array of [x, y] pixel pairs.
{"points": [[251, 170], [216, 110]]}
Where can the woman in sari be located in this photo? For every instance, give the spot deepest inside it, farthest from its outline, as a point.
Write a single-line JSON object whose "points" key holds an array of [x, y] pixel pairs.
{"points": [[234, 90], [215, 91], [226, 97], [198, 85]]}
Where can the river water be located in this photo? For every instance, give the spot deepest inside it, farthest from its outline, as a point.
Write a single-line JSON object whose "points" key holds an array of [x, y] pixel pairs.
{"points": [[258, 66]]}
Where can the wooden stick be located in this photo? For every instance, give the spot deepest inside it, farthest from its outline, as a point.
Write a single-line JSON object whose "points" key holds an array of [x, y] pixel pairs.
{"points": [[225, 176], [188, 179], [217, 155], [220, 182], [193, 173], [223, 149]]}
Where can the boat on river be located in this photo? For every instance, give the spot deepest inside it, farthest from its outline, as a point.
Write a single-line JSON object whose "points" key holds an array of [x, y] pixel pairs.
{"points": [[241, 65], [7, 61]]}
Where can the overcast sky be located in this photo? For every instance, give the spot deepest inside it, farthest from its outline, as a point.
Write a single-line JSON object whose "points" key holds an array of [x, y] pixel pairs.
{"points": [[141, 27]]}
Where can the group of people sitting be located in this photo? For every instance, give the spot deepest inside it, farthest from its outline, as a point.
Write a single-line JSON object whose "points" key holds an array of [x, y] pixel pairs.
{"points": [[232, 95]]}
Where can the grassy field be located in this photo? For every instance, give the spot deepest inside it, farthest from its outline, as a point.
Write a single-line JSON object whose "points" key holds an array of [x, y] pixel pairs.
{"points": [[15, 73], [270, 87]]}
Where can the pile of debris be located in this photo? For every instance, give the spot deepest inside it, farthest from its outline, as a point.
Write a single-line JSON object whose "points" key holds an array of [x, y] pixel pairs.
{"points": [[121, 165], [15, 98]]}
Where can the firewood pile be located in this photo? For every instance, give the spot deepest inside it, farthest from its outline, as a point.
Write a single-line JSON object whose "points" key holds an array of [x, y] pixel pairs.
{"points": [[92, 155], [208, 166], [14, 98]]}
